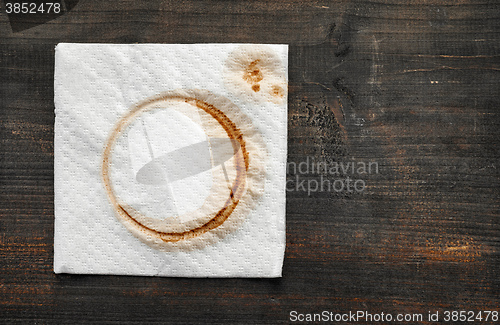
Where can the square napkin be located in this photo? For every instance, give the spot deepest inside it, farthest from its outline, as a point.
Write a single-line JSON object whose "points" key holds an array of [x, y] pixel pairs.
{"points": [[170, 160]]}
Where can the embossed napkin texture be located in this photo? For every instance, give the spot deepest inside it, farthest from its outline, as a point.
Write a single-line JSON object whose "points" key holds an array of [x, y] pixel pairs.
{"points": [[170, 160]]}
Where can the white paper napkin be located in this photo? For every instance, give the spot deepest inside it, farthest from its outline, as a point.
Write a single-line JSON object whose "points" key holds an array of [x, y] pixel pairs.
{"points": [[128, 119]]}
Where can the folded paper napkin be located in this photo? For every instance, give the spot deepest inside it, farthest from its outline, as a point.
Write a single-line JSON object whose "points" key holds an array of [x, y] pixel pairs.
{"points": [[170, 159]]}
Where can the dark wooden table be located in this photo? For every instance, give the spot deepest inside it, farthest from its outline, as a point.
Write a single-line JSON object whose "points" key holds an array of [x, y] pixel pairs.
{"points": [[411, 85]]}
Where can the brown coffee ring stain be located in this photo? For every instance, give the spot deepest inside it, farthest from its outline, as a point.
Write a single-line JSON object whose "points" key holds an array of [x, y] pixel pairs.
{"points": [[223, 214]]}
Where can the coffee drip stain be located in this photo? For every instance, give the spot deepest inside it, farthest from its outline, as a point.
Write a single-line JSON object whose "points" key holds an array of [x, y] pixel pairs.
{"points": [[256, 73], [253, 75], [277, 91]]}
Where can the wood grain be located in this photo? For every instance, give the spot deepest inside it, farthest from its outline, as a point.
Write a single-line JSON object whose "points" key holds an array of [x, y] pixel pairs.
{"points": [[410, 85]]}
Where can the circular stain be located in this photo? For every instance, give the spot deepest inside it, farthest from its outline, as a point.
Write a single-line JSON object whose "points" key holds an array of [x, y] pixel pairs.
{"points": [[210, 223]]}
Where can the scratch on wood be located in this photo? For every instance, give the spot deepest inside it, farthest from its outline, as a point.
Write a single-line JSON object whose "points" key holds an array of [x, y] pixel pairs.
{"points": [[444, 67], [374, 70]]}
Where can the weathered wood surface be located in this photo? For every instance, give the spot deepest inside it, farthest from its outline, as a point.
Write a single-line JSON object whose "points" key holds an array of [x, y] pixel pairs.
{"points": [[412, 85]]}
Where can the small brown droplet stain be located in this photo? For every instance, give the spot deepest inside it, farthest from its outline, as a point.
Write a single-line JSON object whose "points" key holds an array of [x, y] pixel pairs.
{"points": [[253, 73], [256, 87], [277, 91]]}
